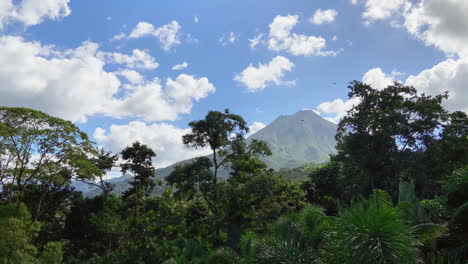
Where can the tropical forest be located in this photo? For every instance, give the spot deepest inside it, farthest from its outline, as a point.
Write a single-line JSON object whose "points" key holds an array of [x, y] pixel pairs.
{"points": [[325, 132]]}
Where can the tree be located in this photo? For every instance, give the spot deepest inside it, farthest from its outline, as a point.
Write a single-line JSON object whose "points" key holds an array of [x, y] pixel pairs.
{"points": [[38, 149], [193, 180], [105, 161], [138, 159], [387, 131], [217, 131]]}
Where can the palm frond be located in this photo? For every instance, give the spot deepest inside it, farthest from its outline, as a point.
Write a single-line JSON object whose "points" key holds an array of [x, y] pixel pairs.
{"points": [[427, 232]]}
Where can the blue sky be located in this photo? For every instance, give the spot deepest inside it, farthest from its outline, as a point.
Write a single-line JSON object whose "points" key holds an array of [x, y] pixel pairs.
{"points": [[77, 60]]}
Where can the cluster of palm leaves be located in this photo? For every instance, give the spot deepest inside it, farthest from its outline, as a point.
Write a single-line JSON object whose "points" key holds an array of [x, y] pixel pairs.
{"points": [[370, 231]]}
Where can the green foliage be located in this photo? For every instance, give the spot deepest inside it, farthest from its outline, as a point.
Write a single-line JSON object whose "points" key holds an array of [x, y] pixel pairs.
{"points": [[394, 132], [371, 232], [41, 150], [193, 180], [16, 241], [17, 231], [52, 253], [215, 130], [138, 159], [295, 238], [393, 140]]}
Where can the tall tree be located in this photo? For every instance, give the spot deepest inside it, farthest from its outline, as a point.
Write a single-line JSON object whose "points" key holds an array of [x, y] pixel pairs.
{"points": [[386, 131], [41, 150], [138, 161], [217, 131]]}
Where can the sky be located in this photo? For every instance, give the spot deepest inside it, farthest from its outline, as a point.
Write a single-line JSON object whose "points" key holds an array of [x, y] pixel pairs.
{"points": [[142, 70]]}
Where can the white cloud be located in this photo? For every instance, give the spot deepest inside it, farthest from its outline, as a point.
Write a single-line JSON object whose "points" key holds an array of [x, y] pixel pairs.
{"points": [[196, 20], [180, 66], [281, 39], [154, 102], [323, 16], [132, 76], [254, 128], [118, 37], [32, 12], [140, 59], [231, 38], [450, 75], [168, 35], [380, 10], [258, 78], [338, 108], [142, 29], [164, 139], [256, 41], [73, 84], [377, 79], [334, 38], [443, 24]]}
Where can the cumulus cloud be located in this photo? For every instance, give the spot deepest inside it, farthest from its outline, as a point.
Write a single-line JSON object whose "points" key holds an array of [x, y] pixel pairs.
{"points": [[140, 59], [231, 38], [323, 16], [337, 108], [168, 35], [164, 139], [378, 79], [442, 24], [74, 85], [258, 78], [380, 10], [153, 101], [180, 66], [254, 128], [450, 75], [32, 12], [281, 39]]}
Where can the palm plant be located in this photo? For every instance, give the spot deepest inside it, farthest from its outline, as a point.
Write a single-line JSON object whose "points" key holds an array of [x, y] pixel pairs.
{"points": [[296, 238], [374, 231]]}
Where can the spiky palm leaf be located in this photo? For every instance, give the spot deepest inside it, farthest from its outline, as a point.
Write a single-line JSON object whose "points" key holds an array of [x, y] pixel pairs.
{"points": [[286, 252], [427, 232]]}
